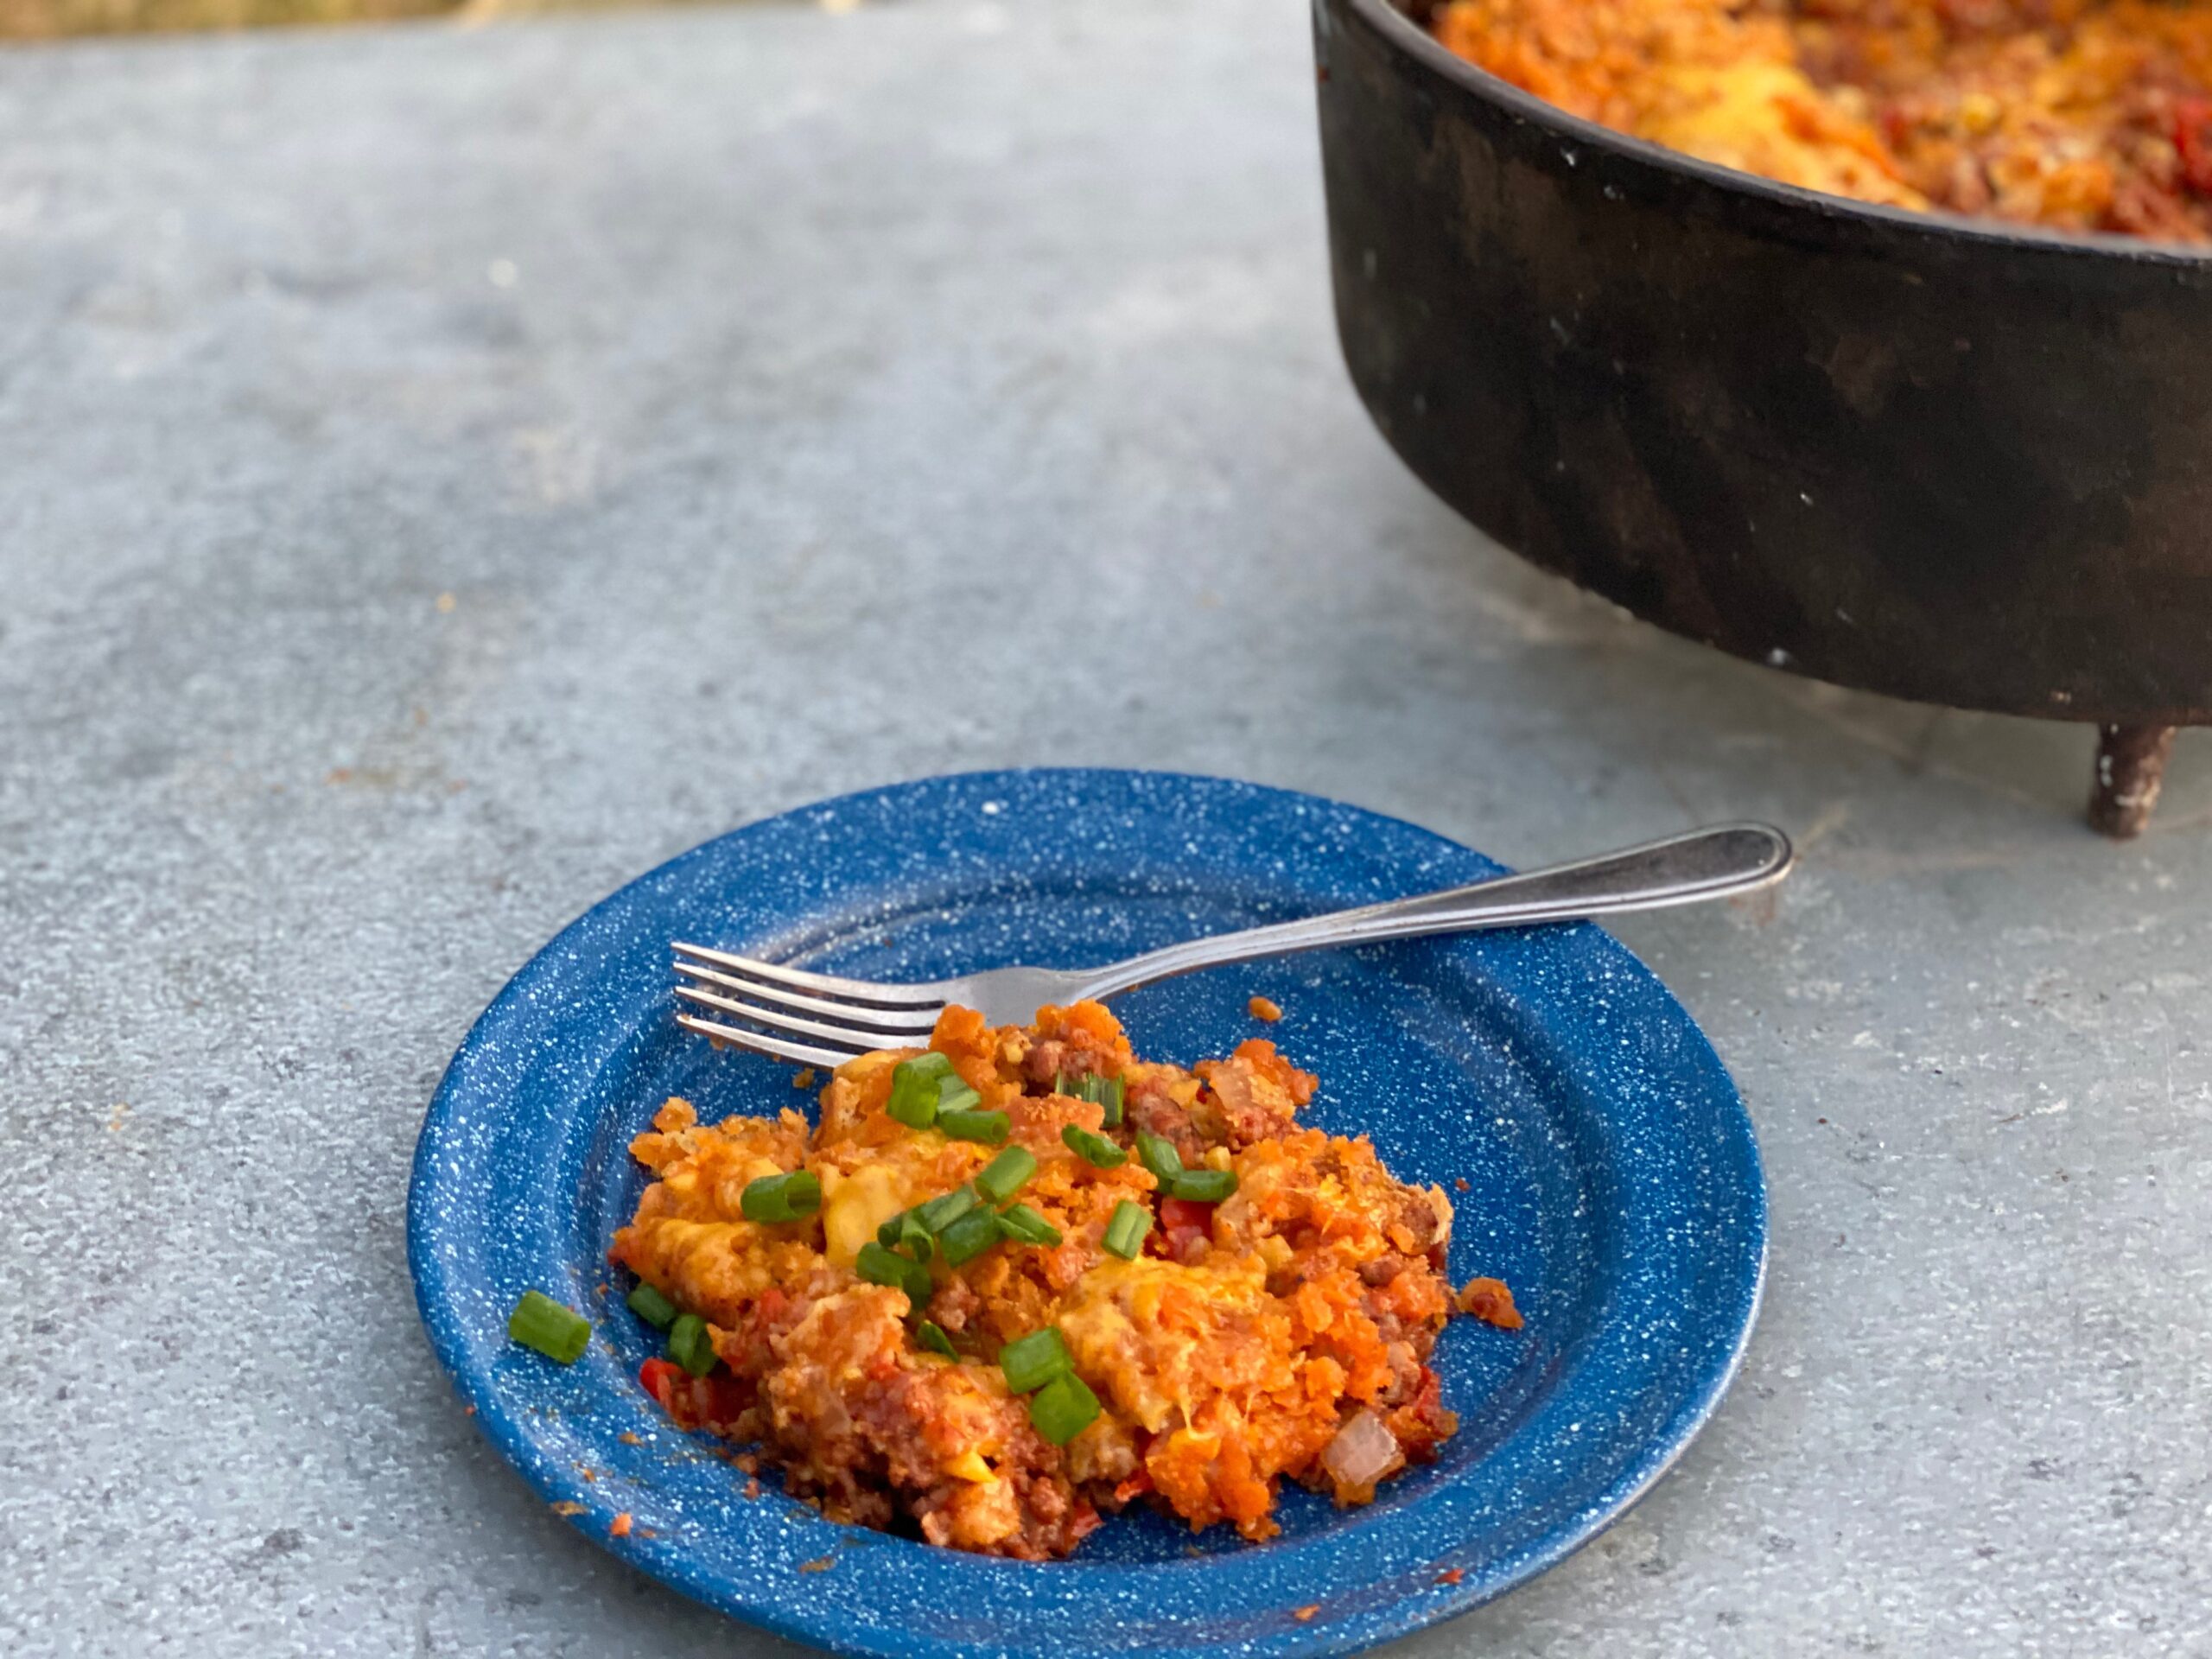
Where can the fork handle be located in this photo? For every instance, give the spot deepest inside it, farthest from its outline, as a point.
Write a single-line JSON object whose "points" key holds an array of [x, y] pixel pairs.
{"points": [[1716, 863]]}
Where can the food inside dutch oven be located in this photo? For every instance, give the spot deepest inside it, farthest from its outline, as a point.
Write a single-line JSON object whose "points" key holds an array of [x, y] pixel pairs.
{"points": [[2085, 115]]}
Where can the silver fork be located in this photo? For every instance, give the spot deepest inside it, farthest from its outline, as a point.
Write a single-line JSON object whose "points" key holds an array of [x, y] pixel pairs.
{"points": [[813, 1019]]}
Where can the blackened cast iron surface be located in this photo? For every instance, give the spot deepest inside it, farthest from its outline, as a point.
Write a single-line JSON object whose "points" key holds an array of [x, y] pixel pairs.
{"points": [[1940, 459]]}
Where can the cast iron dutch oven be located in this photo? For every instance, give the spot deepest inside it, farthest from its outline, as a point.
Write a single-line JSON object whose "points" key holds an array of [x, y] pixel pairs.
{"points": [[1950, 459]]}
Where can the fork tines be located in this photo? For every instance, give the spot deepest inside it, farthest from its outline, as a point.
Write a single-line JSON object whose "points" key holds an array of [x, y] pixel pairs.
{"points": [[791, 1014]]}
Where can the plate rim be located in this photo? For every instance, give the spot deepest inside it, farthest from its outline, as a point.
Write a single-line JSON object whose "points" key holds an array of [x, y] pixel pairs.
{"points": [[509, 1437]]}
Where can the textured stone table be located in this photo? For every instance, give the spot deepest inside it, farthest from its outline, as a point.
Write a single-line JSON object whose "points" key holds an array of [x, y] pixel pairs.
{"points": [[447, 471]]}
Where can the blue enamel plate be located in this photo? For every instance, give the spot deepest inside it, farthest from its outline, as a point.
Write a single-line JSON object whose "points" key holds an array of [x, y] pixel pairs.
{"points": [[1597, 1152]]}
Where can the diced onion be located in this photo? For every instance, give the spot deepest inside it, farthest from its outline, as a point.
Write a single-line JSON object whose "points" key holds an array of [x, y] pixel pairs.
{"points": [[1363, 1453]]}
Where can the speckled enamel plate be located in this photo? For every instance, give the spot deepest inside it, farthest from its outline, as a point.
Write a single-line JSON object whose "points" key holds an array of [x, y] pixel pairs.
{"points": [[1611, 1179]]}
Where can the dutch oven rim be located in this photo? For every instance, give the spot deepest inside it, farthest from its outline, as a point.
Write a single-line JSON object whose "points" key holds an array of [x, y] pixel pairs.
{"points": [[1407, 37]]}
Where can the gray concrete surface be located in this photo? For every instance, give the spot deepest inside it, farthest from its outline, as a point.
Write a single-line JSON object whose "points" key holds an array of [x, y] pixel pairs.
{"points": [[443, 473]]}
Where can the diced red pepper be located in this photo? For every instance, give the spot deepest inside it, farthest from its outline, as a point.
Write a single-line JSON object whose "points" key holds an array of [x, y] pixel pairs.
{"points": [[1185, 1212], [1184, 1222], [691, 1400], [2193, 142], [660, 1378]]}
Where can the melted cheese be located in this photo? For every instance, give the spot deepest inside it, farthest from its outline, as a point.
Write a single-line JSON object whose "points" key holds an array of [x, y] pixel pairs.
{"points": [[1149, 1330], [855, 1205]]}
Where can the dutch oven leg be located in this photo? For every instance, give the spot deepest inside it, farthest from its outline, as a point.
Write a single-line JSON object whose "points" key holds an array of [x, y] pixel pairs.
{"points": [[2131, 767]]}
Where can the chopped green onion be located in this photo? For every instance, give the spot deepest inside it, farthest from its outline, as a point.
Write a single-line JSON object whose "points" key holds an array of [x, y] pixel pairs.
{"points": [[1025, 1225], [1063, 1408], [1094, 1149], [942, 1211], [931, 1337], [969, 1236], [1125, 1232], [1099, 1092], [1159, 1156], [653, 1307], [881, 1266], [1002, 1177], [558, 1332], [774, 1199], [908, 1231], [1033, 1361], [915, 1239], [914, 1087], [1202, 1185], [953, 1095], [989, 1128], [690, 1346]]}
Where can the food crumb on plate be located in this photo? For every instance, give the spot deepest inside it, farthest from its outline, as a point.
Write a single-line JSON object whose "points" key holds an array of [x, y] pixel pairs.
{"points": [[1451, 1576], [819, 1564], [752, 1489], [1489, 1300], [804, 1078], [568, 1507], [1304, 1615], [629, 1438], [1460, 1183], [1264, 1007], [619, 1527]]}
